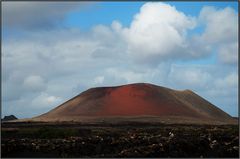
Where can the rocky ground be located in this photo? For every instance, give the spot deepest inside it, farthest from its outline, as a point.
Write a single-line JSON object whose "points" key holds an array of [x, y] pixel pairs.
{"points": [[120, 141]]}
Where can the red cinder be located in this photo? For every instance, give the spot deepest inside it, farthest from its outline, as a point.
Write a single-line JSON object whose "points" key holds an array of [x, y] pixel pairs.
{"points": [[140, 99]]}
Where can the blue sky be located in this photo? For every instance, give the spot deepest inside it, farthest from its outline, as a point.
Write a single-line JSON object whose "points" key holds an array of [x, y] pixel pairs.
{"points": [[124, 12], [52, 51]]}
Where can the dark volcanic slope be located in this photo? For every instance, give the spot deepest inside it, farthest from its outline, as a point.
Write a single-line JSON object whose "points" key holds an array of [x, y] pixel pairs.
{"points": [[136, 100], [9, 117]]}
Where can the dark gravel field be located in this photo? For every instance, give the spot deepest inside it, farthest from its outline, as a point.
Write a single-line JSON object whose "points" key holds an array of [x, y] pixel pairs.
{"points": [[128, 140]]}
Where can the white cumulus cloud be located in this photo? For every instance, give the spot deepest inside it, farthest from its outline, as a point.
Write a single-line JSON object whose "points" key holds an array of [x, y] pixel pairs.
{"points": [[228, 53], [221, 24], [229, 81], [189, 77], [157, 31], [46, 100], [221, 32], [34, 83]]}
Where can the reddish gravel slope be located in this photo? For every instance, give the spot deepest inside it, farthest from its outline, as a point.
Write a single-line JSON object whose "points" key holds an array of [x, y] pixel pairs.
{"points": [[133, 100]]}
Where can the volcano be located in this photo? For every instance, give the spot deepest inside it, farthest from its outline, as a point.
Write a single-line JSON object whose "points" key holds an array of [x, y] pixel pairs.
{"points": [[137, 101]]}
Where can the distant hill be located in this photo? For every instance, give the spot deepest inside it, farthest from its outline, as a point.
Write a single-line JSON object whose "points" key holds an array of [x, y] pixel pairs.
{"points": [[9, 117], [137, 101]]}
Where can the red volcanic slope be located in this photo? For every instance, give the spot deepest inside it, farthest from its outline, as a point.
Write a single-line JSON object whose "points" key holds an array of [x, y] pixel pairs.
{"points": [[136, 100]]}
